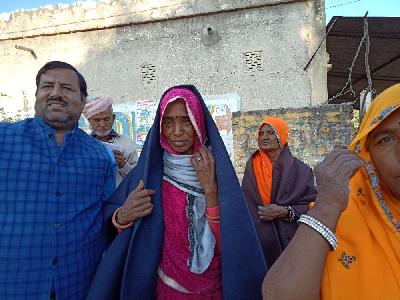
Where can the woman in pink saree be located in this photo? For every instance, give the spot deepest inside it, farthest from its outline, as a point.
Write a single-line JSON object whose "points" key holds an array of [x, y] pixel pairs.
{"points": [[185, 229]]}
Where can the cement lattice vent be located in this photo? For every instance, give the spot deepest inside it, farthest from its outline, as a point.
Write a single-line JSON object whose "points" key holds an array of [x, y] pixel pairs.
{"points": [[148, 74], [253, 61]]}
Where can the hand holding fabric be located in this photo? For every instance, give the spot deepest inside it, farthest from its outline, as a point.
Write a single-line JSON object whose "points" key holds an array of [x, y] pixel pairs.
{"points": [[119, 158], [271, 212], [204, 164], [137, 205], [333, 175]]}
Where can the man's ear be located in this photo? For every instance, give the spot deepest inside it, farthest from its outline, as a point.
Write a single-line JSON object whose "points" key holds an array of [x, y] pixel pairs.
{"points": [[113, 117]]}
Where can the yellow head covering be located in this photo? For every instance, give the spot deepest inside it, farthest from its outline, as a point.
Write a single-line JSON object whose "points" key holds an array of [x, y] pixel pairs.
{"points": [[383, 105], [366, 264]]}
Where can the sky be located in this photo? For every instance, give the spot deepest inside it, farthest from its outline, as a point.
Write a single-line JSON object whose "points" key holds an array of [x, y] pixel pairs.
{"points": [[357, 8], [11, 5], [378, 8]]}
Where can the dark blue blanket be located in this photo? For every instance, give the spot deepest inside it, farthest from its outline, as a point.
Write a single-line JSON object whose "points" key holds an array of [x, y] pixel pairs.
{"points": [[129, 267]]}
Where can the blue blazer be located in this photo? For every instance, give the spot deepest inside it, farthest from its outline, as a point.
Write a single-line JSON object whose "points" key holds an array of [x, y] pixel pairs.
{"points": [[128, 269]]}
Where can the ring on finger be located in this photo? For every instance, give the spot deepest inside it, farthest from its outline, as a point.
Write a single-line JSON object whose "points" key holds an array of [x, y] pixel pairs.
{"points": [[198, 158]]}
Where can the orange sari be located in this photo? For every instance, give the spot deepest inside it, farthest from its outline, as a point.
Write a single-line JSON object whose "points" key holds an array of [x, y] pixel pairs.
{"points": [[262, 165], [366, 264]]}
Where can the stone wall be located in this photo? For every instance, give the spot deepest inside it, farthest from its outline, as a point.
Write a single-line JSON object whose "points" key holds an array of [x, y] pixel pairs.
{"points": [[95, 15], [314, 131], [134, 50]]}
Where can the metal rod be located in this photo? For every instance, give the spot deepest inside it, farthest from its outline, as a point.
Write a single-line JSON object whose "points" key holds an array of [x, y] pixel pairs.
{"points": [[27, 50], [320, 44]]}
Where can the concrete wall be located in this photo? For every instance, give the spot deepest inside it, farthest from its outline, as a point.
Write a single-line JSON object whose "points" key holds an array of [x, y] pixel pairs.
{"points": [[134, 50], [313, 131]]}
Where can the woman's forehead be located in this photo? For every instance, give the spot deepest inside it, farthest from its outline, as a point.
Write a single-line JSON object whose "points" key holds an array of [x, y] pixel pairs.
{"points": [[392, 122], [266, 127], [176, 108]]}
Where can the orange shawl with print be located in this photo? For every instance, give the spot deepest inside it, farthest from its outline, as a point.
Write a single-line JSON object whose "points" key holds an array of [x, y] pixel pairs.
{"points": [[262, 165], [366, 264]]}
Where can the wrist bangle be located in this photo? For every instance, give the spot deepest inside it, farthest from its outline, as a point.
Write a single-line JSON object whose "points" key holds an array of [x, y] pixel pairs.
{"points": [[291, 214], [115, 221], [215, 220], [211, 218], [323, 230]]}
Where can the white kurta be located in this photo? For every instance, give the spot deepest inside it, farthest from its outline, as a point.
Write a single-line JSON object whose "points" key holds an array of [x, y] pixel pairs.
{"points": [[129, 153]]}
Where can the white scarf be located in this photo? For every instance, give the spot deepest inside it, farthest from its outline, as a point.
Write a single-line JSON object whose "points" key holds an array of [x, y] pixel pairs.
{"points": [[179, 171]]}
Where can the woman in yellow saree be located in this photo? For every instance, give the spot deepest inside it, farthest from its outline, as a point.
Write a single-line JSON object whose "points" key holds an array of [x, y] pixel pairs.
{"points": [[359, 200]]}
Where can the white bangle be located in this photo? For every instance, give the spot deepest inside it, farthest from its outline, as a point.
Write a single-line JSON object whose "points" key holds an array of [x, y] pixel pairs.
{"points": [[323, 230], [291, 214]]}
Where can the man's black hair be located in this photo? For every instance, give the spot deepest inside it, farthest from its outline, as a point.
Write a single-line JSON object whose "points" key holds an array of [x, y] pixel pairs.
{"points": [[62, 65]]}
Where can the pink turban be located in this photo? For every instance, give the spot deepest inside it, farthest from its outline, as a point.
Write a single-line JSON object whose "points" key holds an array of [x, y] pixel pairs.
{"points": [[96, 105]]}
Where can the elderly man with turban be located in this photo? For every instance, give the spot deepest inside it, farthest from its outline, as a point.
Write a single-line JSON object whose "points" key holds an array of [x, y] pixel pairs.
{"points": [[99, 112]]}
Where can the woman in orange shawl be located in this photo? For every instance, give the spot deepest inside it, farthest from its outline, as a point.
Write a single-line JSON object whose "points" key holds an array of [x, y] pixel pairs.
{"points": [[277, 186], [359, 199]]}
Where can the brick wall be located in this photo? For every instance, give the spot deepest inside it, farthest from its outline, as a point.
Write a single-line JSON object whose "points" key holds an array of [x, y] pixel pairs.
{"points": [[313, 131]]}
